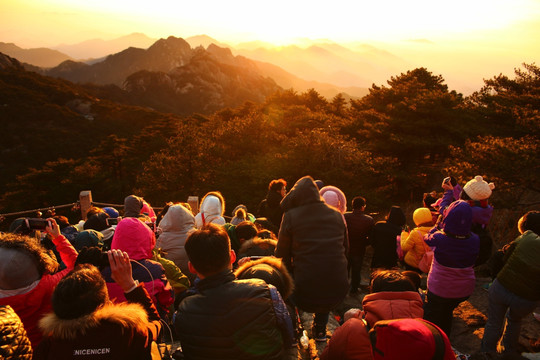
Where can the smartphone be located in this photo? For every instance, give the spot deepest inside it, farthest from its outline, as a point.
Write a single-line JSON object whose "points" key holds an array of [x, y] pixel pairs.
{"points": [[113, 221], [446, 180], [37, 223]]}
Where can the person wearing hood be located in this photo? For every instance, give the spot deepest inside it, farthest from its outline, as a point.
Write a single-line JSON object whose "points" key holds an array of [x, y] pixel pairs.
{"points": [[28, 276], [137, 240], [334, 197], [393, 295], [135, 206], [412, 243], [98, 220], [451, 279], [383, 239], [269, 207], [175, 227], [211, 210], [313, 244]]}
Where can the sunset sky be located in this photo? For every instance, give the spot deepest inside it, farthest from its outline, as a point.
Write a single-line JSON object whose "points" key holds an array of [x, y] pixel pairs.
{"points": [[480, 29]]}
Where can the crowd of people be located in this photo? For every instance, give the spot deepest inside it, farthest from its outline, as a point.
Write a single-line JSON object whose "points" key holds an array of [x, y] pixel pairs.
{"points": [[116, 284]]}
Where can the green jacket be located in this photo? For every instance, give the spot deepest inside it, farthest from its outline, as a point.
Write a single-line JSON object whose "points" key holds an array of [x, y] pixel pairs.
{"points": [[521, 272]]}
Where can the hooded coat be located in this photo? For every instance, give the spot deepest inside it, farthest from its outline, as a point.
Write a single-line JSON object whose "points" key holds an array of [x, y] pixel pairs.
{"points": [[132, 206], [313, 244], [413, 243], [119, 331], [135, 238], [211, 211], [456, 249], [175, 227], [334, 197], [351, 340], [270, 208], [14, 343]]}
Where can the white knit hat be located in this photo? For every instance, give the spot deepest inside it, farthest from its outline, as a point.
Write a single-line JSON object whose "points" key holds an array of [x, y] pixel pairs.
{"points": [[478, 189]]}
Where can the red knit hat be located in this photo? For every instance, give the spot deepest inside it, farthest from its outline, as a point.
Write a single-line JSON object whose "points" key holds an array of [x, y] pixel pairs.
{"points": [[409, 339]]}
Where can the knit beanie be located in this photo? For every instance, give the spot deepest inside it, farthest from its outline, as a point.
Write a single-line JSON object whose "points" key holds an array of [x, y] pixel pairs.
{"points": [[478, 189], [422, 216], [113, 213], [88, 238]]}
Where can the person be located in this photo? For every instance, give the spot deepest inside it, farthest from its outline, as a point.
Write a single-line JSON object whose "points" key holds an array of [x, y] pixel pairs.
{"points": [[313, 244], [258, 247], [138, 241], [14, 343], [85, 324], [211, 210], [412, 243], [515, 292], [28, 275], [334, 197], [451, 279], [359, 226], [393, 295], [240, 214], [88, 238], [175, 227], [383, 239], [228, 318], [137, 207], [476, 193], [269, 207]]}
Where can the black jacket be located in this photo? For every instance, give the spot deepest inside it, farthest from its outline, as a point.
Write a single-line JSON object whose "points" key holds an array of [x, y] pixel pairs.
{"points": [[313, 244], [229, 319], [269, 208]]}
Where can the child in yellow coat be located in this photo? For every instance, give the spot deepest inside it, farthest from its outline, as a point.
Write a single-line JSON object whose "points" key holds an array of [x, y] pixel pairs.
{"points": [[412, 243]]}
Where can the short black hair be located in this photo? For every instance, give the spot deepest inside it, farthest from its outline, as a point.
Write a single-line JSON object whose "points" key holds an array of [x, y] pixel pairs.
{"points": [[246, 230], [530, 221], [79, 293], [358, 202], [209, 249], [391, 280]]}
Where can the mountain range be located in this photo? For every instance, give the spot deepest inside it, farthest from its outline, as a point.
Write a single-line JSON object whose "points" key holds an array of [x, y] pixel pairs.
{"points": [[327, 67]]}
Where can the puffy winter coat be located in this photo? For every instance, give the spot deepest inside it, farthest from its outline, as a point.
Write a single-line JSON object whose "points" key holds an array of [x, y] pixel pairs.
{"points": [[313, 244], [14, 343], [211, 211], [176, 225]]}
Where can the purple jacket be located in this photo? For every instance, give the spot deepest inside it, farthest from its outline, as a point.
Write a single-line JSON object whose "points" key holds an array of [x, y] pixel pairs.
{"points": [[456, 250]]}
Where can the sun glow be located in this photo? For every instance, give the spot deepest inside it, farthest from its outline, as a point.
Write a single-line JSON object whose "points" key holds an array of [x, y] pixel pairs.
{"points": [[278, 22]]}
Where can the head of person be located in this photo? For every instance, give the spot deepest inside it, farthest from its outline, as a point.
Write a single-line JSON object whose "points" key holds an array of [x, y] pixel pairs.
{"points": [[134, 237], [334, 197], [96, 221], [213, 203], [279, 186], [530, 221], [422, 217], [396, 216], [132, 206], [393, 280], [112, 212], [23, 261], [457, 219], [245, 230], [209, 251], [359, 203], [477, 189], [81, 292], [62, 221]]}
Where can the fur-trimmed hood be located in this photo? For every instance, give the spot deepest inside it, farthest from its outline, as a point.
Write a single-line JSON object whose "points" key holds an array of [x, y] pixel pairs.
{"points": [[271, 270], [128, 315]]}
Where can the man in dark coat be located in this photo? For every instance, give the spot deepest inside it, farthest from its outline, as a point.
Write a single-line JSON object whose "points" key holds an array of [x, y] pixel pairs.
{"points": [[359, 226], [229, 319], [313, 244]]}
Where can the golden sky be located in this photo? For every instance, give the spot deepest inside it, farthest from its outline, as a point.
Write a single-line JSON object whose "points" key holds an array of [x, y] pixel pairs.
{"points": [[459, 39], [51, 22]]}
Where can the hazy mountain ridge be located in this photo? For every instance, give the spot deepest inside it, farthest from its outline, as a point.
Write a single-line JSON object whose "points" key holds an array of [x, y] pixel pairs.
{"points": [[42, 57]]}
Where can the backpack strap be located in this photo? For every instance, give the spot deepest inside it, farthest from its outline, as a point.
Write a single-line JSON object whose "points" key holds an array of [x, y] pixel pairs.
{"points": [[439, 342]]}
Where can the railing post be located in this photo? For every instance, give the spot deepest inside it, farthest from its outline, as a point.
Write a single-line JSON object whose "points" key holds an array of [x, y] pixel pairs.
{"points": [[85, 199], [193, 202]]}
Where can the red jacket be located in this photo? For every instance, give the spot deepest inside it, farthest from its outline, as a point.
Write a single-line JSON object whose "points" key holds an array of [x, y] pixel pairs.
{"points": [[31, 306], [351, 340]]}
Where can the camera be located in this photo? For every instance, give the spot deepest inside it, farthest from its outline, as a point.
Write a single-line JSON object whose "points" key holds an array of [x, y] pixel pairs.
{"points": [[446, 180], [37, 223], [113, 221]]}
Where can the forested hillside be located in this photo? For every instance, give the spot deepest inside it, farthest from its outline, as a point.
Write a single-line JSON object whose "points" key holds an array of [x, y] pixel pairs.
{"points": [[390, 146]]}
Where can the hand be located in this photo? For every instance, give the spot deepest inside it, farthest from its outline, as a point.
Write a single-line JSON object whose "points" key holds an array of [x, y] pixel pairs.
{"points": [[54, 229], [244, 260], [121, 269], [447, 185]]}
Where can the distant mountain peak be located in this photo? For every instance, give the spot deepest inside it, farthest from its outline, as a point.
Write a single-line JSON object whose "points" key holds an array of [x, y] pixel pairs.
{"points": [[7, 62]]}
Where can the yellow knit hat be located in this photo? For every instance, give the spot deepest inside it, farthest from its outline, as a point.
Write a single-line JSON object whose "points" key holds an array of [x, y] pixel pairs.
{"points": [[422, 216]]}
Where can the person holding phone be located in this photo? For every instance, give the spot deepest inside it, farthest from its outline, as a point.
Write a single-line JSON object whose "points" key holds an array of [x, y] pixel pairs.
{"points": [[28, 275]]}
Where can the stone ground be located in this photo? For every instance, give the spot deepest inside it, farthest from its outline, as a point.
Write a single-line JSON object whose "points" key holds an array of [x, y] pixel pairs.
{"points": [[467, 330]]}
